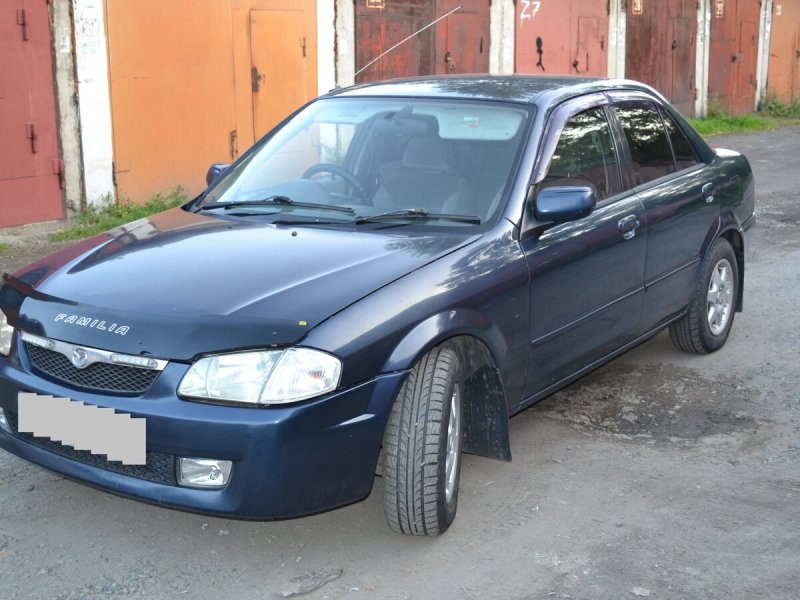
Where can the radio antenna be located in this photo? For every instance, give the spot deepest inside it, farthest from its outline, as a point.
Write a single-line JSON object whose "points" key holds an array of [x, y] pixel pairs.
{"points": [[398, 44]]}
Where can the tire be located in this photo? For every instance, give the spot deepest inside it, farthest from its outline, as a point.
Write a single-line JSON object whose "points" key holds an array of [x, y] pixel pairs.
{"points": [[422, 446], [706, 326]]}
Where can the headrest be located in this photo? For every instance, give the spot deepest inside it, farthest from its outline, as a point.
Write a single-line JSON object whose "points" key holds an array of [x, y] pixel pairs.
{"points": [[429, 153]]}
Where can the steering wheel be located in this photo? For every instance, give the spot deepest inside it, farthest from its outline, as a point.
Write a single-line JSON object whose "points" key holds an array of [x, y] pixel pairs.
{"points": [[355, 184]]}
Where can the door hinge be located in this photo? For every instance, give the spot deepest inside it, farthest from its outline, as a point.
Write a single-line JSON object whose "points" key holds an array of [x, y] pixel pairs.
{"points": [[233, 139], [30, 133], [303, 45], [114, 173], [22, 21], [58, 169]]}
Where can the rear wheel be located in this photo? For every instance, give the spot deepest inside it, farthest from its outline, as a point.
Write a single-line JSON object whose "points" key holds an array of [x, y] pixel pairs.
{"points": [[422, 446], [706, 326]]}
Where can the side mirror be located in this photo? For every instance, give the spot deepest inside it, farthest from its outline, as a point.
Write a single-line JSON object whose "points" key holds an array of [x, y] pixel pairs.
{"points": [[214, 171], [564, 203]]}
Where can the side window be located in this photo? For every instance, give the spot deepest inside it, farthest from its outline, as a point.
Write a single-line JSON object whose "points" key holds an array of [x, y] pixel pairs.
{"points": [[685, 156], [585, 155], [650, 150]]}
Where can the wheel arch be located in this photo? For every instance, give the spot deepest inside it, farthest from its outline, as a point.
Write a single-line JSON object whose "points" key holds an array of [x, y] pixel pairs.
{"points": [[731, 233], [735, 238], [486, 427]]}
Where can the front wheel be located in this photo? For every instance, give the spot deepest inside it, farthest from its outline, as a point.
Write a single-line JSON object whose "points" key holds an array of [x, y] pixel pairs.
{"points": [[706, 326], [422, 446]]}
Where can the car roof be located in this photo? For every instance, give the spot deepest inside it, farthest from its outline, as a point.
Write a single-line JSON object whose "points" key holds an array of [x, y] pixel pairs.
{"points": [[528, 89]]}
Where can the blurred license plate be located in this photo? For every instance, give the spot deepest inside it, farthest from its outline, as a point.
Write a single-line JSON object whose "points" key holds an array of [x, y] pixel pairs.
{"points": [[119, 436]]}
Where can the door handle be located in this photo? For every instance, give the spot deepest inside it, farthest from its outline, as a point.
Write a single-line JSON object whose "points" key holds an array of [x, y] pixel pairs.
{"points": [[628, 226], [708, 193]]}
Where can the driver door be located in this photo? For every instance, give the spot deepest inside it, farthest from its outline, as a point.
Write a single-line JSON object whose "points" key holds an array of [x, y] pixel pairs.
{"points": [[586, 274]]}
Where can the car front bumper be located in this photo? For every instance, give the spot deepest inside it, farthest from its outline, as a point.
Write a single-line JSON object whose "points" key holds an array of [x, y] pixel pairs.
{"points": [[288, 460]]}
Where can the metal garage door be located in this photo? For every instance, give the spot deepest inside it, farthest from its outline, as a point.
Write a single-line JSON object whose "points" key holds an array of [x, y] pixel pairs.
{"points": [[29, 160], [455, 45], [562, 38]]}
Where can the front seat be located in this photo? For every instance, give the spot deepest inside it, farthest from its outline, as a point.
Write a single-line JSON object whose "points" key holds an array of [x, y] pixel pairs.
{"points": [[425, 178]]}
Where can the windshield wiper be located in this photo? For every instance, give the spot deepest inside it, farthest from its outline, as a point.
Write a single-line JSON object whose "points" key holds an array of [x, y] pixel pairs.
{"points": [[278, 201], [417, 213]]}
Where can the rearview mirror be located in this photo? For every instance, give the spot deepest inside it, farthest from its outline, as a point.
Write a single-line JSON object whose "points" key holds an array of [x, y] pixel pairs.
{"points": [[214, 171], [564, 203]]}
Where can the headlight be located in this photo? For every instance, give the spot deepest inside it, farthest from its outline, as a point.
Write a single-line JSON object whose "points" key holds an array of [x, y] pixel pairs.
{"points": [[6, 333], [268, 377]]}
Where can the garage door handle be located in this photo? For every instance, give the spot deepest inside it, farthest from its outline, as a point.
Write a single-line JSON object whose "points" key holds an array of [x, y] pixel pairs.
{"points": [[628, 226]]}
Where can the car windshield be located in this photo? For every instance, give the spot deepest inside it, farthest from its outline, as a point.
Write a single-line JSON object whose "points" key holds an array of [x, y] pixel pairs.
{"points": [[381, 162]]}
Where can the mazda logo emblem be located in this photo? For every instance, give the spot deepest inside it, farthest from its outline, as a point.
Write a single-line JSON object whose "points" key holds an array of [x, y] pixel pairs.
{"points": [[79, 358]]}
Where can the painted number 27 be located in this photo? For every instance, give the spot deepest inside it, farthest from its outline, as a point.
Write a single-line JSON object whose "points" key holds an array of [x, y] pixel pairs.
{"points": [[529, 10]]}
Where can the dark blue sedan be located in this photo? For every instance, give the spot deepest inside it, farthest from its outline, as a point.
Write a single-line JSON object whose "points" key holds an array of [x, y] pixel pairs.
{"points": [[376, 286]]}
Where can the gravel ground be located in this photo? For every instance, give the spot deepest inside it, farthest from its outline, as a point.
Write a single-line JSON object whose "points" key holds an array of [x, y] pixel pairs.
{"points": [[27, 243], [661, 475]]}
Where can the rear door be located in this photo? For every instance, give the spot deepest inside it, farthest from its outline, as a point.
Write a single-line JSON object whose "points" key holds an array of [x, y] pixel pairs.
{"points": [[586, 275], [677, 192]]}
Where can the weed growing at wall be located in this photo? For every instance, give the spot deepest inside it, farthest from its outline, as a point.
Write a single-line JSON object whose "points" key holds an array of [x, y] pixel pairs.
{"points": [[109, 214]]}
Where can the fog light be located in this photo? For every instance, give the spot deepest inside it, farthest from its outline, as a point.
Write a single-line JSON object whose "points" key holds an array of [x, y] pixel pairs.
{"points": [[4, 425], [204, 472]]}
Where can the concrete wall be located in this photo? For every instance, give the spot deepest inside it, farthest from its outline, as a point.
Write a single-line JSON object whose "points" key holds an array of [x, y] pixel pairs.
{"points": [[617, 21], [703, 46], [326, 45], [502, 34], [765, 28], [94, 102], [345, 51], [69, 131]]}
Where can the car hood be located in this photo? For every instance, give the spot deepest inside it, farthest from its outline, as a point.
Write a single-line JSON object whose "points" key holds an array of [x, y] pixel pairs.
{"points": [[177, 284]]}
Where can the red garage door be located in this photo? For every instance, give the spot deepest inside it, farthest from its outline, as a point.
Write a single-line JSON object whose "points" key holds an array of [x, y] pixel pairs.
{"points": [[733, 56], [29, 166], [455, 45], [660, 48], [562, 38]]}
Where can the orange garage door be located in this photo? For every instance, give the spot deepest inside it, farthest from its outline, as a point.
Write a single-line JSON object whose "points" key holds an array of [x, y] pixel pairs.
{"points": [[196, 81]]}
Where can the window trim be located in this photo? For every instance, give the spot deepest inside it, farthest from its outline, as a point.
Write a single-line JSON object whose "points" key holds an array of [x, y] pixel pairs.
{"points": [[705, 155], [664, 116], [554, 126], [642, 103], [551, 133]]}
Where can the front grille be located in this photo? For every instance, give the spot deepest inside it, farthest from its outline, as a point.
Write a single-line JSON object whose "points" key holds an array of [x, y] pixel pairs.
{"points": [[104, 377], [159, 467]]}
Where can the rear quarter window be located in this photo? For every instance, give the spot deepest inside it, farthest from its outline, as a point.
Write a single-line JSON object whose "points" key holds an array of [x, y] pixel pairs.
{"points": [[685, 155]]}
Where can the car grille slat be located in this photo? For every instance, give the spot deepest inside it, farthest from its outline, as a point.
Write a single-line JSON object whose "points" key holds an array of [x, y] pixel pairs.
{"points": [[105, 377], [159, 467]]}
